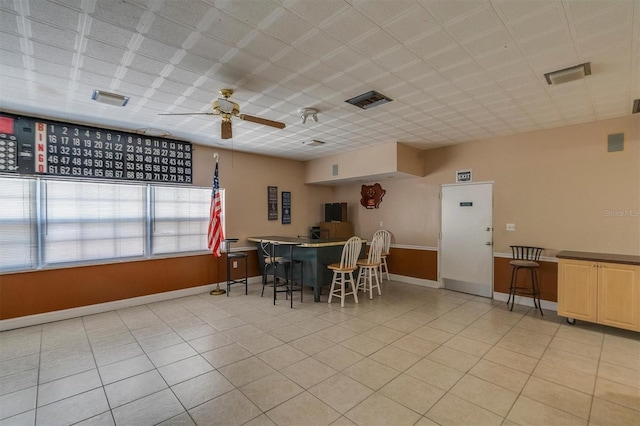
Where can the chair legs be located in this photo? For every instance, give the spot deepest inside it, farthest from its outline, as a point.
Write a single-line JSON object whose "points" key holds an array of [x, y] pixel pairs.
{"points": [[365, 280], [534, 291], [342, 279], [383, 268]]}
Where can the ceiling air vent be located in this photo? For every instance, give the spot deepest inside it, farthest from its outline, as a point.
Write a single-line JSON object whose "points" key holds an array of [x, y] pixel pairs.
{"points": [[369, 100]]}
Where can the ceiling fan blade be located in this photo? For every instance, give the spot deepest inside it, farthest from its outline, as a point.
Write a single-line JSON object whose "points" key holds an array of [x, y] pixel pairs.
{"points": [[188, 113], [225, 129], [264, 121]]}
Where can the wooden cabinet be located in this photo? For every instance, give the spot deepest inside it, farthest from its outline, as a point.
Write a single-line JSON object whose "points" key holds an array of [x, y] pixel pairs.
{"points": [[600, 292], [336, 230]]}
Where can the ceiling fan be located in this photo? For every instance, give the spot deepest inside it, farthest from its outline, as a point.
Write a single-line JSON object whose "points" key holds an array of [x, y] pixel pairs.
{"points": [[228, 109]]}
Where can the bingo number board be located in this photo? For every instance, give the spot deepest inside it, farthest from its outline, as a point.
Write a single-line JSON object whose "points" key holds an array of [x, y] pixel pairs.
{"points": [[43, 147]]}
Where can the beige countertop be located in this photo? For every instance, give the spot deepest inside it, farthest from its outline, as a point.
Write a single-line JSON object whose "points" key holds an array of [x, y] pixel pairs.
{"points": [[628, 259], [301, 242]]}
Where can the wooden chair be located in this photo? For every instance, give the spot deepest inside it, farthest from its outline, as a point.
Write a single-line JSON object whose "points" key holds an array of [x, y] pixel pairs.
{"points": [[386, 238], [369, 268], [343, 271], [525, 257], [231, 257]]}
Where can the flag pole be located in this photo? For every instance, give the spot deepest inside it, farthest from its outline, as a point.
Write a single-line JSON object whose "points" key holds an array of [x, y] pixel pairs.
{"points": [[216, 198]]}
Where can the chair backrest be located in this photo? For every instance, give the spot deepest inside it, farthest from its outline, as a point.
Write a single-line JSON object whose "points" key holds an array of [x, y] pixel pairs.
{"points": [[266, 247], [526, 252], [375, 251], [386, 239], [351, 252]]}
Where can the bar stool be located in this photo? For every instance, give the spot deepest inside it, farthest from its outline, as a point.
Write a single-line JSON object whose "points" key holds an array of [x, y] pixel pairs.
{"points": [[343, 271], [525, 257], [369, 268], [273, 263], [235, 256], [386, 238]]}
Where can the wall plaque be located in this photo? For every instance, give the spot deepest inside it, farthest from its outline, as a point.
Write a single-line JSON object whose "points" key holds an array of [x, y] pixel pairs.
{"points": [[272, 202], [371, 195]]}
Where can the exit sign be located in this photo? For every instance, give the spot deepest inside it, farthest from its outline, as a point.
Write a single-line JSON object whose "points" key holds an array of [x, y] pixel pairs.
{"points": [[463, 176]]}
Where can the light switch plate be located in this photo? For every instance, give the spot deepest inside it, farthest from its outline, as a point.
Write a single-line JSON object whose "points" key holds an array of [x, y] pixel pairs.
{"points": [[511, 226]]}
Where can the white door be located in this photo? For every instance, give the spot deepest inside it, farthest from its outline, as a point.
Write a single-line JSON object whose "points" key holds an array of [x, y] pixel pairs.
{"points": [[466, 244]]}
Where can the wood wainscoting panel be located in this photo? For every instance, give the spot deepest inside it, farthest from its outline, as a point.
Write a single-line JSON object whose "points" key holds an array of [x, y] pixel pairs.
{"points": [[413, 263], [547, 278], [37, 292]]}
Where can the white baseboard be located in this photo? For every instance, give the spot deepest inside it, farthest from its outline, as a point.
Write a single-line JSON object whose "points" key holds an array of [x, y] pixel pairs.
{"points": [[27, 321], [526, 301], [416, 281]]}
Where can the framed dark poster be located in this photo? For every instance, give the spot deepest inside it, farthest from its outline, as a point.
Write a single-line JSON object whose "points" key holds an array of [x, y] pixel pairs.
{"points": [[286, 207], [272, 202]]}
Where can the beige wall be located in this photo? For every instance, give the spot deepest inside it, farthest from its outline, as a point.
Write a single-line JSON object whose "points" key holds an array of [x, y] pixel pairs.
{"points": [[245, 178], [560, 187]]}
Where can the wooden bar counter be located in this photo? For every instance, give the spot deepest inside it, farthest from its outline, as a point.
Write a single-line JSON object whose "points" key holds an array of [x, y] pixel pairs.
{"points": [[314, 254]]}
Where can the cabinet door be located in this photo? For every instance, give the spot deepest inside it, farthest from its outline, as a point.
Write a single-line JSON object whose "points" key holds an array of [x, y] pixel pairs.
{"points": [[577, 289], [619, 295]]}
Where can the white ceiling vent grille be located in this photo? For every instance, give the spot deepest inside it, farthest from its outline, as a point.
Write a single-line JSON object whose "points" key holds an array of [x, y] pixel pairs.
{"points": [[369, 100]]}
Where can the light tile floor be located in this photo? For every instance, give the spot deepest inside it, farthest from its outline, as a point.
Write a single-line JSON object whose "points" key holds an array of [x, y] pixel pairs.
{"points": [[413, 356]]}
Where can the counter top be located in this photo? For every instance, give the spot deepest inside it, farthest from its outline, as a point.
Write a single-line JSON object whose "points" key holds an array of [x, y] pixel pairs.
{"points": [[301, 242], [600, 257]]}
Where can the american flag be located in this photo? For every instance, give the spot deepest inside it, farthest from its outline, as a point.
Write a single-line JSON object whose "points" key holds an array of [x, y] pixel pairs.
{"points": [[214, 233]]}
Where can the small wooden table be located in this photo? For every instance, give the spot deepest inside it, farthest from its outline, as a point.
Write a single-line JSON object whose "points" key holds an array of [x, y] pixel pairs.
{"points": [[314, 254]]}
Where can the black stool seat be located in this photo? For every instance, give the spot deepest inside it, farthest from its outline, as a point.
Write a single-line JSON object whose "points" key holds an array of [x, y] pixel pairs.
{"points": [[242, 280], [525, 257]]}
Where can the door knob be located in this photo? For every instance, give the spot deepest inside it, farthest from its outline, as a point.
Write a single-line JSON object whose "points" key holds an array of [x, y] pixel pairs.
{"points": [[487, 243], [488, 229]]}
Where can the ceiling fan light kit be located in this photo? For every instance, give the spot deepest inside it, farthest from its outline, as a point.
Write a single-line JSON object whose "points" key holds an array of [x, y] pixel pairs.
{"points": [[308, 112], [227, 109]]}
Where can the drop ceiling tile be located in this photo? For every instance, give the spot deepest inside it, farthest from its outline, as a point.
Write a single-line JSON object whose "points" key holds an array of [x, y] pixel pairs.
{"points": [[287, 27], [446, 10], [319, 71], [557, 38], [9, 22], [102, 51], [95, 80], [10, 41], [137, 77], [157, 50], [516, 10], [52, 54], [499, 58], [181, 75], [479, 21], [208, 48], [396, 59], [167, 32], [251, 12], [243, 61], [125, 15], [582, 10], [604, 43], [99, 67], [317, 44], [296, 82], [146, 64], [54, 36], [383, 11], [530, 26], [294, 60], [46, 67], [344, 59], [349, 26], [195, 63], [411, 24], [108, 33], [11, 58], [187, 15], [432, 43], [367, 71], [130, 89], [449, 58], [496, 40], [226, 28]]}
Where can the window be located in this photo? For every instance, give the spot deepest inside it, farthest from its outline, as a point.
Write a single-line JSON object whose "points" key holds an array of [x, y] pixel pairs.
{"points": [[18, 234], [45, 222]]}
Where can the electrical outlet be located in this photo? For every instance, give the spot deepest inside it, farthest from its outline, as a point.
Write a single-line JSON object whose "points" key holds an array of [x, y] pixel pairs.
{"points": [[511, 226], [381, 224], [235, 265]]}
